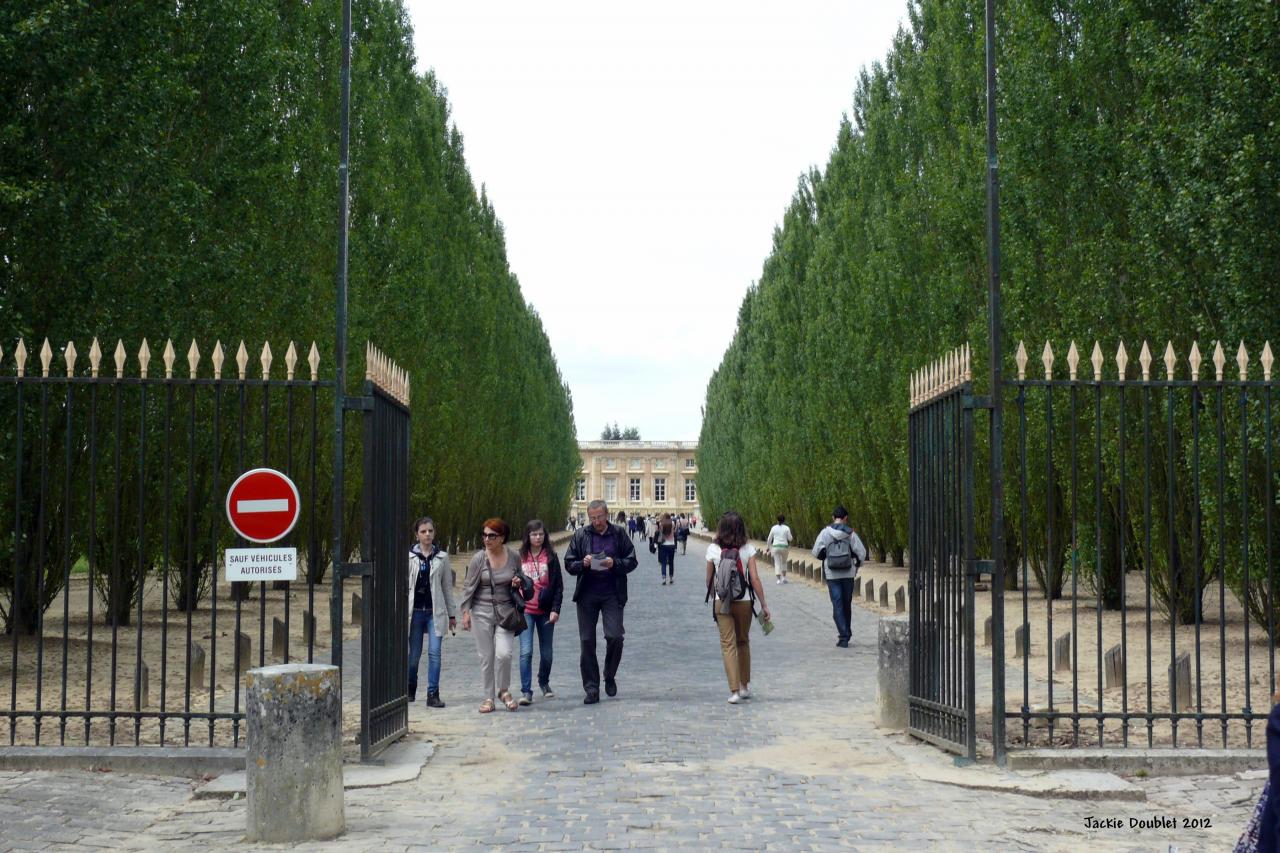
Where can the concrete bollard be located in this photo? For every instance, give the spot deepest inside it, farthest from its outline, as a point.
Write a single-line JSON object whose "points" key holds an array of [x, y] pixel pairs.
{"points": [[893, 672], [900, 600], [195, 671], [279, 638], [293, 783], [357, 609], [857, 587], [884, 595]]}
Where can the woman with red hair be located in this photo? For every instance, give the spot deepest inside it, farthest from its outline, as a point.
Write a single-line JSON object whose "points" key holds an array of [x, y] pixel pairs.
{"points": [[486, 603]]}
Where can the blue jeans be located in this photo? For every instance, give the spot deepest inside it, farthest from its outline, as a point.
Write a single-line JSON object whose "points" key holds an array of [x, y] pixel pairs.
{"points": [[546, 629], [422, 623], [667, 559], [842, 605]]}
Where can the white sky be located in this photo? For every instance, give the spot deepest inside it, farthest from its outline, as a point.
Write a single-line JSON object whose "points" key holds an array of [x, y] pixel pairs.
{"points": [[640, 157]]}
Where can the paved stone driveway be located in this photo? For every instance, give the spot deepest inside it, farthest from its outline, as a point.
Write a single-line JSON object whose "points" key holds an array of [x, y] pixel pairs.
{"points": [[668, 764]]}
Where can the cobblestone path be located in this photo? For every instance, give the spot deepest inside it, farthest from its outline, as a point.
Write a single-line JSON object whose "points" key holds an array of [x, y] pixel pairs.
{"points": [[667, 764]]}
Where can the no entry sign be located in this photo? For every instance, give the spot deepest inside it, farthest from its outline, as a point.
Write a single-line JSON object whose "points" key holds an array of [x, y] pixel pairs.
{"points": [[262, 505]]}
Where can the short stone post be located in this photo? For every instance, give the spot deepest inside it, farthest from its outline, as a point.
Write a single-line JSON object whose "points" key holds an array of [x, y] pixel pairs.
{"points": [[308, 628], [986, 632], [357, 609], [1180, 684], [142, 688], [871, 590], [195, 669], [1062, 653], [884, 595], [900, 600], [893, 672], [293, 783], [1113, 663], [1022, 640], [857, 587], [244, 653], [279, 639]]}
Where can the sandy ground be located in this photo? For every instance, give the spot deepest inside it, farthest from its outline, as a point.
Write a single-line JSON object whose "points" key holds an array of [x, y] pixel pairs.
{"points": [[1218, 677]]}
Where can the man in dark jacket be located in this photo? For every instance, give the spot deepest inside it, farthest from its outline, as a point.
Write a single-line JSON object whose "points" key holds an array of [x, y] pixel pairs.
{"points": [[600, 556]]}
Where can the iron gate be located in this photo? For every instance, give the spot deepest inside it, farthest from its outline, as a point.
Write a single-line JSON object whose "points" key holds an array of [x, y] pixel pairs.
{"points": [[384, 646], [941, 705]]}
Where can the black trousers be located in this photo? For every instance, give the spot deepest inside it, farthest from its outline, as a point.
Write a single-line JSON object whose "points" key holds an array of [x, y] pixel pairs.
{"points": [[591, 605]]}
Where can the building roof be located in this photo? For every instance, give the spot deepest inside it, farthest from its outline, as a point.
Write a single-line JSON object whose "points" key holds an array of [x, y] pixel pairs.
{"points": [[637, 445]]}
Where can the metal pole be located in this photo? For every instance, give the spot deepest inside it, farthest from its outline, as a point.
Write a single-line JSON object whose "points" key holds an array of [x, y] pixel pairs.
{"points": [[997, 432], [340, 346]]}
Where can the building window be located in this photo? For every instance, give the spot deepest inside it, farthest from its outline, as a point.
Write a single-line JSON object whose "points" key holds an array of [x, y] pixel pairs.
{"points": [[690, 491], [635, 465], [610, 489], [610, 463], [660, 489], [659, 464], [688, 463], [635, 489], [580, 490]]}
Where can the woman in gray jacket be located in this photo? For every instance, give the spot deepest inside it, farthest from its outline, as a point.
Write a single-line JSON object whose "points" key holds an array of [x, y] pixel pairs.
{"points": [[486, 601], [430, 602]]}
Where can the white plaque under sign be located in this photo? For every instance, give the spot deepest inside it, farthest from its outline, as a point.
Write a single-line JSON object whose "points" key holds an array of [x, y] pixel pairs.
{"points": [[262, 564]]}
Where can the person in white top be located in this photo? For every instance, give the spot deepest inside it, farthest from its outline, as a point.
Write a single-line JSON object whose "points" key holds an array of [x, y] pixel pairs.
{"points": [[735, 622], [779, 541]]}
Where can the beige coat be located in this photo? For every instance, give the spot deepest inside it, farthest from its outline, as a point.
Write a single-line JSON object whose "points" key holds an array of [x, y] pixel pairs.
{"points": [[442, 606]]}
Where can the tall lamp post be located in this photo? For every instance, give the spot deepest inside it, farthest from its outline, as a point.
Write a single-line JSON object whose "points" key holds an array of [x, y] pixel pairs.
{"points": [[997, 433], [340, 347]]}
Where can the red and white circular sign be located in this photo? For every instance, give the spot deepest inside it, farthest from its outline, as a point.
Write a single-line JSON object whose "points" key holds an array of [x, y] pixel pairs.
{"points": [[262, 505]]}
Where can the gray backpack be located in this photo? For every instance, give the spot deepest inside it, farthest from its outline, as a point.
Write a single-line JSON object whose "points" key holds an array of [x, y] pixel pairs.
{"points": [[840, 556], [729, 582]]}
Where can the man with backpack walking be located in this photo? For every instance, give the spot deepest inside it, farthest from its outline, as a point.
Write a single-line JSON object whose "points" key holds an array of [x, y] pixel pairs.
{"points": [[842, 554]]}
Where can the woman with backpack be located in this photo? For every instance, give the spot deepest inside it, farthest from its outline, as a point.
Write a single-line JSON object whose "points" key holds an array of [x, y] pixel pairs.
{"points": [[665, 538], [493, 576], [541, 610], [733, 580]]}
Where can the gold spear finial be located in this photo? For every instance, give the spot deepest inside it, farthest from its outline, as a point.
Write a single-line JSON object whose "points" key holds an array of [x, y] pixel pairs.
{"points": [[290, 361], [95, 357], [1195, 359], [1073, 361], [20, 356], [1096, 358], [242, 359], [218, 357], [1122, 360], [69, 354], [120, 358], [144, 357], [169, 357], [314, 360], [193, 358], [1169, 360], [266, 361], [1047, 358], [1219, 359], [1242, 359], [46, 356], [1144, 359], [1267, 361]]}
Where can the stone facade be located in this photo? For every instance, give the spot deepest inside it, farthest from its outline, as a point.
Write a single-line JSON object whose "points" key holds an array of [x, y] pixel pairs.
{"points": [[646, 477]]}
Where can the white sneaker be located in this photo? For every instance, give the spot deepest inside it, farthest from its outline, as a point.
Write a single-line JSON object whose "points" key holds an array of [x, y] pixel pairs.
{"points": [[733, 698], [779, 580], [744, 692]]}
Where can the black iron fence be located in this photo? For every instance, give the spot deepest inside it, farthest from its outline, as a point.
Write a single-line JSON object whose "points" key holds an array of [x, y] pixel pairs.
{"points": [[941, 704], [1140, 526], [118, 625]]}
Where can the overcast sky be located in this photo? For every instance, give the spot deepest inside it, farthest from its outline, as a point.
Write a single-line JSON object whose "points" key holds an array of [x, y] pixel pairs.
{"points": [[640, 157]]}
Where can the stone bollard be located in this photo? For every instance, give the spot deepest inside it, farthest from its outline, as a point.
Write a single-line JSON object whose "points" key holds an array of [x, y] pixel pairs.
{"points": [[195, 670], [1022, 640], [986, 632], [893, 672], [857, 587], [1180, 684], [279, 638], [1114, 666], [900, 600], [293, 783], [871, 590], [884, 595], [1062, 653]]}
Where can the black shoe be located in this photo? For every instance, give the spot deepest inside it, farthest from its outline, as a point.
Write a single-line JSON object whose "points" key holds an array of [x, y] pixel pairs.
{"points": [[591, 699], [842, 644], [611, 687], [433, 699]]}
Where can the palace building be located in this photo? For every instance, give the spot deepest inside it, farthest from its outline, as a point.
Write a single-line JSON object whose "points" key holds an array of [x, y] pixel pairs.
{"points": [[645, 477]]}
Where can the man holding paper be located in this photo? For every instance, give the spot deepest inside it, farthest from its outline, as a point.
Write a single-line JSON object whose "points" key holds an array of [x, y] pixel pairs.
{"points": [[600, 556]]}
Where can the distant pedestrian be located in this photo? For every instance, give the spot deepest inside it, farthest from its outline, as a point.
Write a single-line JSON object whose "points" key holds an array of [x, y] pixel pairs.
{"points": [[666, 542], [682, 533], [779, 541], [600, 556], [430, 605], [728, 555], [631, 526], [486, 594], [541, 565], [842, 553]]}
